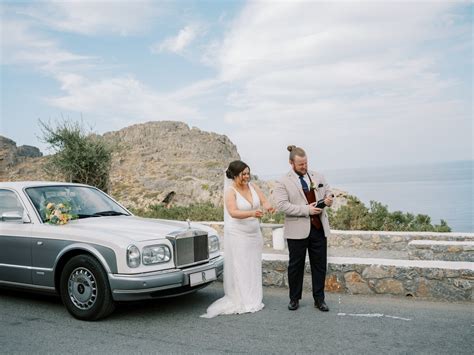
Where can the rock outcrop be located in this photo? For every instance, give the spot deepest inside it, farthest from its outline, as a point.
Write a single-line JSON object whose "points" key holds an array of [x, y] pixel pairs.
{"points": [[20, 163], [168, 162], [7, 153]]}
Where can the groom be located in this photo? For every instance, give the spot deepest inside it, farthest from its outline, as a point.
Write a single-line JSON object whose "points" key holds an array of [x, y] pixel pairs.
{"points": [[306, 226]]}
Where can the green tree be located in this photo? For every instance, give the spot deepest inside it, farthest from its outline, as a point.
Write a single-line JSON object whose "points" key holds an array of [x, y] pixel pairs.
{"points": [[80, 156]]}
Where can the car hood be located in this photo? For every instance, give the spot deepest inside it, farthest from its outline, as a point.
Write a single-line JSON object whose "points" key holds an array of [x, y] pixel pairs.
{"points": [[130, 227]]}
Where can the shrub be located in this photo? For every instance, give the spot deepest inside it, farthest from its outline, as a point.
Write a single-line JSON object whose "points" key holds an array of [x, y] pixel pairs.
{"points": [[79, 157], [356, 216], [195, 212]]}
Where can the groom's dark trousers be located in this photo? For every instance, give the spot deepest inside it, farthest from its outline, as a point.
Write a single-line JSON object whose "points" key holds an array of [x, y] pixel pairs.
{"points": [[316, 244]]}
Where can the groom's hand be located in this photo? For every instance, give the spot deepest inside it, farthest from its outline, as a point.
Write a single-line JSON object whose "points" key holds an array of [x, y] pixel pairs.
{"points": [[268, 207], [314, 210], [329, 200]]}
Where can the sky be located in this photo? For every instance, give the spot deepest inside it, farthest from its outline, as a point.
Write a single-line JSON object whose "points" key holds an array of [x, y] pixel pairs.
{"points": [[355, 83]]}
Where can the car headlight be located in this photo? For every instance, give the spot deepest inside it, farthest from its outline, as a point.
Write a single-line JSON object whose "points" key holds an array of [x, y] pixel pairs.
{"points": [[213, 243], [155, 254], [133, 256]]}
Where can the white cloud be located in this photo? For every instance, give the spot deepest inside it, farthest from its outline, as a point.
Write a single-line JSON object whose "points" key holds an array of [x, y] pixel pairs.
{"points": [[21, 44], [96, 17], [365, 75], [119, 101], [355, 83], [180, 42]]}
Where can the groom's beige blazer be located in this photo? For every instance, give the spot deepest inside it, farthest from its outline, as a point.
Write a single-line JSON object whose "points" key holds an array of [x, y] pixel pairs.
{"points": [[289, 198]]}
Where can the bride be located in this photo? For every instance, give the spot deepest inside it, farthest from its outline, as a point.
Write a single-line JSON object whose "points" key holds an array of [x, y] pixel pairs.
{"points": [[243, 243]]}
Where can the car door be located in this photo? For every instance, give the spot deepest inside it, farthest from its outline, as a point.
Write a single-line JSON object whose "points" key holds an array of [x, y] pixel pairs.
{"points": [[15, 242], [44, 253]]}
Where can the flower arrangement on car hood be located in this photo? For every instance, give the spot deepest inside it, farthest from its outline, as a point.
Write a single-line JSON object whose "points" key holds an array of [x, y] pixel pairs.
{"points": [[58, 213]]}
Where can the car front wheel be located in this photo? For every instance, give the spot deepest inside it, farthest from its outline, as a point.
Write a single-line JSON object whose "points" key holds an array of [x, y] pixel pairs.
{"points": [[85, 289]]}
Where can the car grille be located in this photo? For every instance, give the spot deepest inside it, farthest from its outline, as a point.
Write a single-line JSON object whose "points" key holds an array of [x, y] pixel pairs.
{"points": [[191, 250]]}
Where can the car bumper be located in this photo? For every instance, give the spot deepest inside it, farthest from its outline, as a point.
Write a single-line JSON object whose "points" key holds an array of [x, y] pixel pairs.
{"points": [[161, 284]]}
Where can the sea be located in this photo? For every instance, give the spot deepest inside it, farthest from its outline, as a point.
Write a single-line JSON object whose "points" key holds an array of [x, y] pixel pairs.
{"points": [[439, 190]]}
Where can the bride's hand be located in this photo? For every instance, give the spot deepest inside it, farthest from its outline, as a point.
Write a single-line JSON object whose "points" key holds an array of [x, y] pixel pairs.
{"points": [[258, 213], [268, 207]]}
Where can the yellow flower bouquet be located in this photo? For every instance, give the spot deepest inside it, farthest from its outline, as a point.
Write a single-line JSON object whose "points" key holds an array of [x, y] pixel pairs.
{"points": [[58, 213]]}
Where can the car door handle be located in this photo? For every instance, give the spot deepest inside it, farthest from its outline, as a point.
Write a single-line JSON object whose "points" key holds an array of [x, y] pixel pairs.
{"points": [[39, 243]]}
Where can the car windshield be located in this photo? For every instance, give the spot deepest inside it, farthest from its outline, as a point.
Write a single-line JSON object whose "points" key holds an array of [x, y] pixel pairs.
{"points": [[84, 202]]}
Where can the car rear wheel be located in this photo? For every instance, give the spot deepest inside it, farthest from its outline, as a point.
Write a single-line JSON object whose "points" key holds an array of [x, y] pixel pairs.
{"points": [[85, 289]]}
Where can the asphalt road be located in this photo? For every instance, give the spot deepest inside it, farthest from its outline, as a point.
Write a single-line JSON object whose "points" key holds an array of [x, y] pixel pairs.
{"points": [[355, 325]]}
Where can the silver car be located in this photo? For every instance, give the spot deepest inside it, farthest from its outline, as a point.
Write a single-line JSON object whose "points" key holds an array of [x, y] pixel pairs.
{"points": [[105, 254]]}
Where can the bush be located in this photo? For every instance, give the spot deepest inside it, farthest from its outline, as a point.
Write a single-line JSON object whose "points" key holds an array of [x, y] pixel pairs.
{"points": [[195, 212], [79, 157], [356, 216]]}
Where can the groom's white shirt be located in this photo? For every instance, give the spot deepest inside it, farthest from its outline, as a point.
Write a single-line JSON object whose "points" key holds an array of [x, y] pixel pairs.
{"points": [[290, 199]]}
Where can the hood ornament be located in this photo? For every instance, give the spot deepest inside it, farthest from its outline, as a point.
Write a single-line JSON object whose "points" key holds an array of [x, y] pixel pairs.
{"points": [[189, 223]]}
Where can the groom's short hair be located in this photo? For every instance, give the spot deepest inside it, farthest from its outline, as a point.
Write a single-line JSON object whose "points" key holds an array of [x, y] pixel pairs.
{"points": [[295, 151]]}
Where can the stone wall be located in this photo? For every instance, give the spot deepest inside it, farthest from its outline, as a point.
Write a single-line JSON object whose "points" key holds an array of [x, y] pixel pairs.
{"points": [[389, 240], [441, 250], [445, 271], [396, 241], [448, 281], [266, 228]]}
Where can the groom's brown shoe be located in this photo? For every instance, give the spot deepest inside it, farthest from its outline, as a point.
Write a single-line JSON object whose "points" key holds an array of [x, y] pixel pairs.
{"points": [[321, 305], [293, 305]]}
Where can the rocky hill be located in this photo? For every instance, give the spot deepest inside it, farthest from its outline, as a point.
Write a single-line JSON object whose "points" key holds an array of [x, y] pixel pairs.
{"points": [[169, 162], [156, 162]]}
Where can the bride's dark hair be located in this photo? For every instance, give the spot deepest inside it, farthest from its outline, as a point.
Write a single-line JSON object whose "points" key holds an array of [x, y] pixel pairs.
{"points": [[235, 168]]}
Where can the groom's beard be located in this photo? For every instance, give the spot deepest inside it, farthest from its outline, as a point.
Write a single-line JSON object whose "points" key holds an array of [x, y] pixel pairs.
{"points": [[302, 171]]}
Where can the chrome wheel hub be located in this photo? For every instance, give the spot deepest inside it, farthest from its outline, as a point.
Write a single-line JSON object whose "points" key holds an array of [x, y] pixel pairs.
{"points": [[82, 288]]}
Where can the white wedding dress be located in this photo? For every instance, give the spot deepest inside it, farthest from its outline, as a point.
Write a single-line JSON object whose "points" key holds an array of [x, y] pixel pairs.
{"points": [[243, 244]]}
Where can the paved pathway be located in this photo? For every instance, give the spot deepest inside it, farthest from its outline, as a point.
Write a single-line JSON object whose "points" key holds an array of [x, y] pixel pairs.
{"points": [[355, 325]]}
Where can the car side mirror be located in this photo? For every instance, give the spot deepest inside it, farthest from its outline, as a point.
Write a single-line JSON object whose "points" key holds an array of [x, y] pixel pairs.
{"points": [[25, 217], [15, 216]]}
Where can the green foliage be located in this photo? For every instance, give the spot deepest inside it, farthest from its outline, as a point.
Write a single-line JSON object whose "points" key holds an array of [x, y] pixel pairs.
{"points": [[278, 217], [79, 156], [195, 212], [356, 216]]}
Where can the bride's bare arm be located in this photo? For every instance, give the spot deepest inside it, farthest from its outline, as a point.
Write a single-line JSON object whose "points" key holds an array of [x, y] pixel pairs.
{"points": [[263, 200], [234, 212]]}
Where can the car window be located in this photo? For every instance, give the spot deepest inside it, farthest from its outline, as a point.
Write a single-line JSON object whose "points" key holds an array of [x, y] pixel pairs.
{"points": [[83, 201], [9, 202]]}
